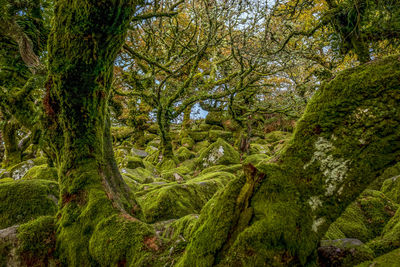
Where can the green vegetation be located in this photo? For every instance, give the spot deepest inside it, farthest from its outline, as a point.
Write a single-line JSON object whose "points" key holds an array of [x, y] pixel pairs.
{"points": [[199, 133]]}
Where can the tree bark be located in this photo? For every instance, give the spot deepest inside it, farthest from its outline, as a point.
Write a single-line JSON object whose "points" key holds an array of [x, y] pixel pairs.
{"points": [[85, 39], [276, 214]]}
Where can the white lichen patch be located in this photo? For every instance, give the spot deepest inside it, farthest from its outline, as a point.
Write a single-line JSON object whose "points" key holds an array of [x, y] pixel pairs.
{"points": [[214, 156], [22, 170], [314, 202], [334, 169], [317, 223]]}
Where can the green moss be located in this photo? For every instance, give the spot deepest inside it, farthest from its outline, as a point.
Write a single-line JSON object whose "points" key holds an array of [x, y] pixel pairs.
{"points": [[187, 142], [215, 134], [184, 154], [218, 153], [119, 240], [391, 188], [201, 145], [182, 227], [366, 217], [133, 162], [140, 175], [42, 172], [121, 132], [171, 201], [166, 165], [255, 159], [204, 127], [25, 200], [37, 240], [214, 118], [178, 174], [390, 259], [223, 168], [334, 232], [259, 149], [345, 252], [6, 180], [199, 136], [390, 237], [19, 170], [276, 136]]}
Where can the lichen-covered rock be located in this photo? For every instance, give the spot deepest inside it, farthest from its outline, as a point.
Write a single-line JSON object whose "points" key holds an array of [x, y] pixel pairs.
{"points": [[139, 153], [218, 153], [42, 172], [184, 154], [171, 201], [259, 149], [24, 200], [345, 252], [215, 134], [9, 255], [121, 133], [18, 171]]}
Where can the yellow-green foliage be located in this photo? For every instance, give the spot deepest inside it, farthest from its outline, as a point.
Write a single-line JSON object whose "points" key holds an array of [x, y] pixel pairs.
{"points": [[37, 240], [173, 200], [42, 172], [24, 200], [119, 240]]}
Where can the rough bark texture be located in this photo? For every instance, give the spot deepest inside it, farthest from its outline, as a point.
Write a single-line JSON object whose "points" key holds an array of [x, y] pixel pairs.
{"points": [[348, 135], [85, 39]]}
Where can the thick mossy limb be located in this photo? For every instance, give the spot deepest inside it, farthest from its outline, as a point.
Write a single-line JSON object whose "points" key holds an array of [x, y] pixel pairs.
{"points": [[347, 136], [25, 200]]}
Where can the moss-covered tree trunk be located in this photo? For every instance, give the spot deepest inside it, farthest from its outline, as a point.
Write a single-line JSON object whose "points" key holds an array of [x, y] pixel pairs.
{"points": [[164, 124], [276, 214], [13, 154], [85, 38]]}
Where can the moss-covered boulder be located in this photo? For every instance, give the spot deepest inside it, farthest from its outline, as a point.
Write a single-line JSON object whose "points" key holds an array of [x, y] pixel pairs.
{"points": [[259, 149], [365, 218], [138, 153], [121, 133], [218, 153], [178, 174], [255, 159], [204, 127], [214, 118], [123, 237], [201, 145], [187, 142], [235, 168], [24, 200], [390, 237], [19, 170], [174, 200], [166, 165], [276, 136], [391, 188], [199, 136], [184, 154], [345, 252], [132, 162], [36, 241], [139, 175], [215, 134], [42, 172], [390, 259]]}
